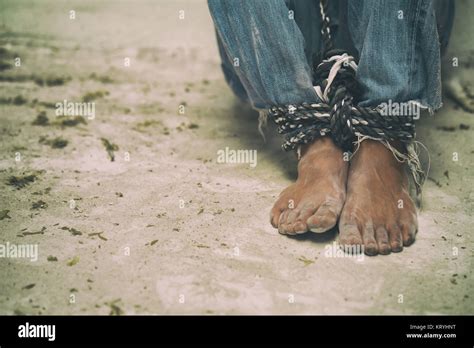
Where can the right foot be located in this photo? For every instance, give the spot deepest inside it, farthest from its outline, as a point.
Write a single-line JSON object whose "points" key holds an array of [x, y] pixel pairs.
{"points": [[461, 92], [314, 202]]}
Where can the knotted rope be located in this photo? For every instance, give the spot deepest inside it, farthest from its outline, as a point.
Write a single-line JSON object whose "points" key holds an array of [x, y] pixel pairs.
{"points": [[337, 114]]}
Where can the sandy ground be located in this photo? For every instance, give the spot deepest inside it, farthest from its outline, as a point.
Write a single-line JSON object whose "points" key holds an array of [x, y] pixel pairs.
{"points": [[164, 228]]}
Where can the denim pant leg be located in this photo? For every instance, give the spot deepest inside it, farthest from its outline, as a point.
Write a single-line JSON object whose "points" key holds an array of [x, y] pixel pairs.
{"points": [[396, 41], [230, 74], [444, 18], [399, 51], [263, 46]]}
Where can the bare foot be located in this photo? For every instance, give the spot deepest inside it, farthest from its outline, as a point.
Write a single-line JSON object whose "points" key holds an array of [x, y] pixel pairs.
{"points": [[379, 213], [461, 92], [314, 201]]}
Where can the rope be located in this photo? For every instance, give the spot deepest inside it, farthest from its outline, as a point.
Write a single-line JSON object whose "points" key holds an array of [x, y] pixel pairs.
{"points": [[337, 114]]}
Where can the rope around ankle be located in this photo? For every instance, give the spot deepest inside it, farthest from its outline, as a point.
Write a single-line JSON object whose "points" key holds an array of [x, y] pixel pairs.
{"points": [[337, 114]]}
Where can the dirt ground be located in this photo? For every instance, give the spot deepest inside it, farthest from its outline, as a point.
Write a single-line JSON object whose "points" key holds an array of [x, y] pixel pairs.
{"points": [[165, 228]]}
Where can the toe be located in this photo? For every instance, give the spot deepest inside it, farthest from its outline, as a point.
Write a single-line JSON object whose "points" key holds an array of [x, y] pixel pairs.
{"points": [[466, 98], [305, 212], [381, 235], [370, 244], [395, 237], [275, 215], [349, 235], [285, 226], [292, 218], [324, 219], [282, 221], [408, 233], [469, 89], [299, 227], [289, 226], [281, 205]]}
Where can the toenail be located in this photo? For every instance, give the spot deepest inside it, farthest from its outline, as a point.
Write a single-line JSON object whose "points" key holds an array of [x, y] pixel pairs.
{"points": [[350, 241], [371, 250], [384, 249], [300, 229], [396, 248], [321, 225], [408, 241]]}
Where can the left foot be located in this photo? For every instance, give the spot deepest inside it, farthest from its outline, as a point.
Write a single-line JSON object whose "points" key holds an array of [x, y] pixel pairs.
{"points": [[378, 214]]}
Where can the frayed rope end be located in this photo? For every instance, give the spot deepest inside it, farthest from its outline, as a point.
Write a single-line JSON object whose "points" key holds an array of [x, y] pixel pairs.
{"points": [[262, 123]]}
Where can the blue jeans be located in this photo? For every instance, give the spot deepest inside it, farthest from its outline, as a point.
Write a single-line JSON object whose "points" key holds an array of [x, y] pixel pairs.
{"points": [[268, 47]]}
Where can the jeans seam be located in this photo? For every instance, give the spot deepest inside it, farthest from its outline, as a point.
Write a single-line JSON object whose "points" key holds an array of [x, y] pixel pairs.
{"points": [[413, 58]]}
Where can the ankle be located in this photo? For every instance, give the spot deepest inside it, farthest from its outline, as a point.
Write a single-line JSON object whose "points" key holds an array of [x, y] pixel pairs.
{"points": [[318, 146], [378, 154]]}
